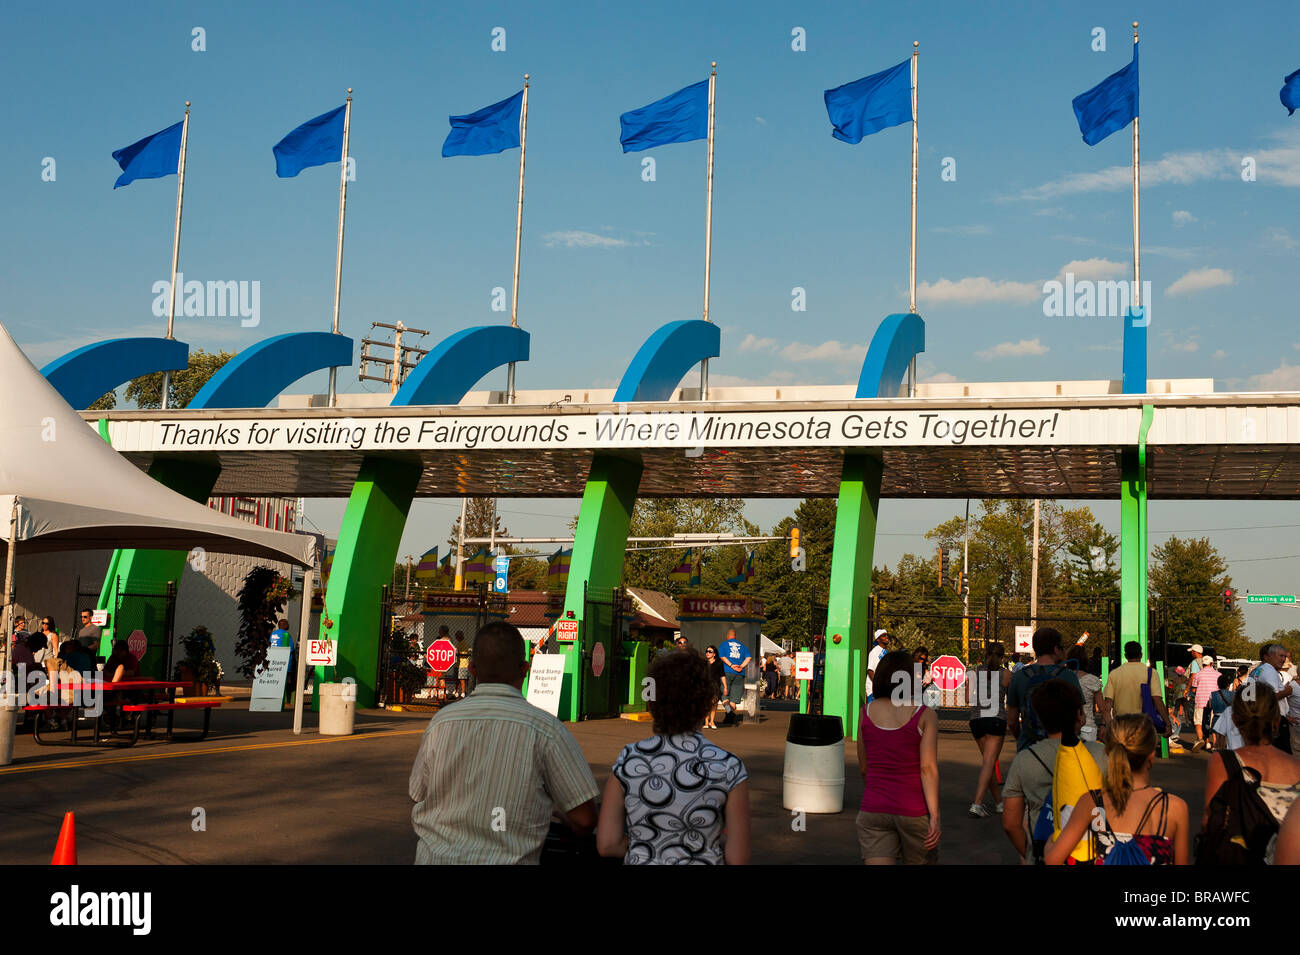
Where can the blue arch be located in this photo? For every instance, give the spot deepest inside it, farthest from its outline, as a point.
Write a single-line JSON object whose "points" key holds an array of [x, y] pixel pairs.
{"points": [[83, 375], [666, 357], [260, 372], [456, 363], [898, 340]]}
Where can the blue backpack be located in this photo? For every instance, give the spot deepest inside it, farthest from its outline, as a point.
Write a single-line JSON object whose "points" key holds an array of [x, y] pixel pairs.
{"points": [[1149, 704], [1038, 675]]}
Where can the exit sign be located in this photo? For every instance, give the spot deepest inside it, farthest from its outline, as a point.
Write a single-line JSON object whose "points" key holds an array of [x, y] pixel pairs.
{"points": [[1270, 598]]}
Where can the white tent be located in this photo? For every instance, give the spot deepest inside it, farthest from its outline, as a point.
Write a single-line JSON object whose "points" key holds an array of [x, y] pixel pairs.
{"points": [[766, 646], [72, 491]]}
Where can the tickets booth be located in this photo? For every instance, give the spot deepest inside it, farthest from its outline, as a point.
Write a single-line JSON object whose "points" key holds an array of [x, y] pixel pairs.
{"points": [[705, 621]]}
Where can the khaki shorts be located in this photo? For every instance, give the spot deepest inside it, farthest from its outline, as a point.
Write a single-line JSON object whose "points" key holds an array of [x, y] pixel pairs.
{"points": [[882, 835]]}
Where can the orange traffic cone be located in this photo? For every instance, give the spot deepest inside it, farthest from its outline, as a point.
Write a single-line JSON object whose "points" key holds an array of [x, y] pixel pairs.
{"points": [[65, 850]]}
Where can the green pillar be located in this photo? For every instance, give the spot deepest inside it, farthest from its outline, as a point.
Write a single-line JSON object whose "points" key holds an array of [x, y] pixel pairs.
{"points": [[599, 545], [363, 563], [148, 571], [846, 614], [1133, 540]]}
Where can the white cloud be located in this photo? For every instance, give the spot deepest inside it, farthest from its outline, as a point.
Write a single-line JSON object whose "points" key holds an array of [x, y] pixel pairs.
{"points": [[1198, 280], [1184, 346], [1283, 378], [963, 229], [760, 120], [1093, 269], [1182, 217], [1026, 346], [752, 343], [1175, 168], [1219, 353], [846, 353], [978, 290], [1278, 236], [578, 239], [938, 378]]}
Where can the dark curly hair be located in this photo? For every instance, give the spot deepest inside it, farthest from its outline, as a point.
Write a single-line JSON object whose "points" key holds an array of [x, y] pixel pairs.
{"points": [[682, 691]]}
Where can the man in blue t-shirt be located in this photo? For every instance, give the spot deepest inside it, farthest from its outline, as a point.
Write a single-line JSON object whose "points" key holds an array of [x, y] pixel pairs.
{"points": [[735, 658], [1049, 651]]}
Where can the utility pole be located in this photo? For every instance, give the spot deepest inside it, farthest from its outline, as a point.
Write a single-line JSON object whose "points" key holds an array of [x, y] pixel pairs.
{"points": [[965, 597], [408, 576], [1033, 585]]}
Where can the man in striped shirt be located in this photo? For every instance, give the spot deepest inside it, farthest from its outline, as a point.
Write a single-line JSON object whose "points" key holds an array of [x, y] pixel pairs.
{"points": [[492, 767]]}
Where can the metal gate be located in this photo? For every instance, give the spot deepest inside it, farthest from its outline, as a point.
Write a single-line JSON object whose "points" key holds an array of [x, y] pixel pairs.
{"points": [[153, 612], [603, 670]]}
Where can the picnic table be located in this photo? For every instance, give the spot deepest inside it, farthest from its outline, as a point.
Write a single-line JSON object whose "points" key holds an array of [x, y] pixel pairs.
{"points": [[102, 693]]}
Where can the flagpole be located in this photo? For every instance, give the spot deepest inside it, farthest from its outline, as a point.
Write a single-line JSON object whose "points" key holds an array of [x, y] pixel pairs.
{"points": [[176, 244], [1136, 297], [519, 231], [338, 255], [460, 548], [708, 227], [916, 69]]}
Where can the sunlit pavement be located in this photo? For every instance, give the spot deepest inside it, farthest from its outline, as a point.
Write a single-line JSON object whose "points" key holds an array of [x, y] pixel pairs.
{"points": [[256, 793]]}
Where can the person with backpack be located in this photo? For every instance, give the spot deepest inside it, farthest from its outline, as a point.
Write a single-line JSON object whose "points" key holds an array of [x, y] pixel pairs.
{"points": [[1022, 721], [1139, 824], [1134, 688], [1027, 792], [1248, 790]]}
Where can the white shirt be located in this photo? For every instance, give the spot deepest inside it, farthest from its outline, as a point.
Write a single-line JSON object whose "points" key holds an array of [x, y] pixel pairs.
{"points": [[1226, 728], [873, 661], [1269, 676]]}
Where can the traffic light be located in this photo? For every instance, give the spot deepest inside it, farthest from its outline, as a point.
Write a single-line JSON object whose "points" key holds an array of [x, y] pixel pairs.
{"points": [[943, 566], [977, 627], [1227, 601], [963, 583], [794, 542]]}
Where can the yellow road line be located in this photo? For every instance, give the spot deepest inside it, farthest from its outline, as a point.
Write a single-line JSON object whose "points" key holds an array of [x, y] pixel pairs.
{"points": [[90, 763]]}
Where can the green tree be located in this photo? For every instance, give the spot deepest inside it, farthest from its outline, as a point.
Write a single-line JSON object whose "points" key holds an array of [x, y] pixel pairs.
{"points": [[666, 516], [105, 402], [1189, 577], [1092, 570], [795, 599], [146, 391], [261, 602]]}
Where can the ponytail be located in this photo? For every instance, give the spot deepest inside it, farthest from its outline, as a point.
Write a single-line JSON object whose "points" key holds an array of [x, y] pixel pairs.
{"points": [[1132, 741]]}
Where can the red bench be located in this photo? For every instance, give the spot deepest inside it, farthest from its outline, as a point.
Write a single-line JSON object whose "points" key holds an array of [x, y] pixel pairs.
{"points": [[139, 709]]}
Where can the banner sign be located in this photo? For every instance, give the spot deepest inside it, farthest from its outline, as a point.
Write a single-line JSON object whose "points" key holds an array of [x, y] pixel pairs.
{"points": [[451, 601], [659, 429], [736, 608]]}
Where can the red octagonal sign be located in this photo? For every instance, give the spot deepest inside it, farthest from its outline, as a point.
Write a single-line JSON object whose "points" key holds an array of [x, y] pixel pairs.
{"points": [[137, 644], [441, 655], [949, 672]]}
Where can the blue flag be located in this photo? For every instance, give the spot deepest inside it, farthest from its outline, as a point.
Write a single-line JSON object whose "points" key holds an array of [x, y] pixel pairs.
{"points": [[871, 104], [493, 129], [152, 157], [1110, 105], [1290, 93], [677, 118], [314, 143]]}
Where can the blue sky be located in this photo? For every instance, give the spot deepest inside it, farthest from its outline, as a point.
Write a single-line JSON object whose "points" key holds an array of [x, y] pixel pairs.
{"points": [[607, 257]]}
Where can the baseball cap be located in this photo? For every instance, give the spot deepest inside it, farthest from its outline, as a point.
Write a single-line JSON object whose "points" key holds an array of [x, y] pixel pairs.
{"points": [[881, 633], [1197, 648], [1207, 661]]}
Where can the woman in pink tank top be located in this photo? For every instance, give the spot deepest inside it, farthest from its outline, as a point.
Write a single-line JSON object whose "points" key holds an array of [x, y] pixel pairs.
{"points": [[898, 756]]}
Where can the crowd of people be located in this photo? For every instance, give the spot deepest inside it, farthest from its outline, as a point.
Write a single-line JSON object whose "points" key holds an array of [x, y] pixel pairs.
{"points": [[1079, 790]]}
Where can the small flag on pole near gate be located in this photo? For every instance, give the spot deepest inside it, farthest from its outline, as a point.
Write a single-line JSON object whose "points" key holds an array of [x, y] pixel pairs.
{"points": [[682, 572], [153, 157], [315, 143], [871, 104], [697, 569], [1110, 105], [492, 129], [445, 569], [677, 118], [427, 569], [557, 569]]}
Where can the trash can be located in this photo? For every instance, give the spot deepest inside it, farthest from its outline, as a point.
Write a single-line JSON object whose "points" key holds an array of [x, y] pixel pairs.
{"points": [[814, 764], [338, 708]]}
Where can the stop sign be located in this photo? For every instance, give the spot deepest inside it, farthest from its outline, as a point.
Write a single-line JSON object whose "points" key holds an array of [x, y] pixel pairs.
{"points": [[949, 672], [137, 643], [441, 655]]}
